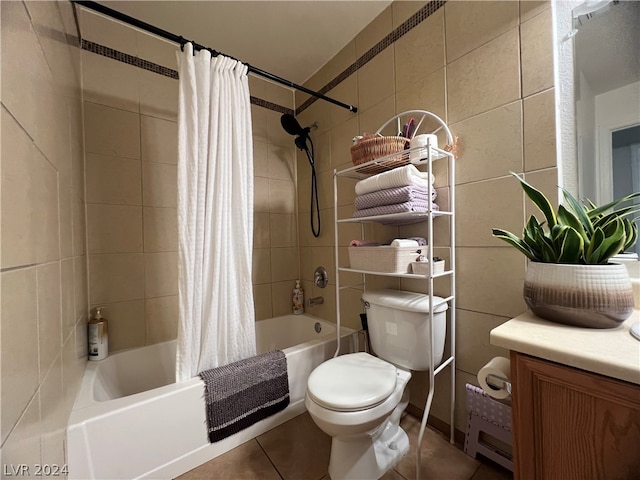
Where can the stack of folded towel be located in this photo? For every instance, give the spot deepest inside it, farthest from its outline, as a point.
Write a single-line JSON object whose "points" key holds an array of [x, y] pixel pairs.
{"points": [[401, 190]]}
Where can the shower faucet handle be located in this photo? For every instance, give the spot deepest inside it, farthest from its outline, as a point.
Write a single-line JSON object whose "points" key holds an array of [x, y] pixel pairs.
{"points": [[320, 277]]}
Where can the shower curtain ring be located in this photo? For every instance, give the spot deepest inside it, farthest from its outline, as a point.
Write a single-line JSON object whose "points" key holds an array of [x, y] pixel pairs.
{"points": [[183, 42]]}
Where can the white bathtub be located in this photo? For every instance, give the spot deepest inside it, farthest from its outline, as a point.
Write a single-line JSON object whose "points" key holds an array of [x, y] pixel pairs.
{"points": [[131, 420]]}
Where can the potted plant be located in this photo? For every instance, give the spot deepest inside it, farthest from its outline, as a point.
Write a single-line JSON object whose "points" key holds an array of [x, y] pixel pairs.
{"points": [[570, 278]]}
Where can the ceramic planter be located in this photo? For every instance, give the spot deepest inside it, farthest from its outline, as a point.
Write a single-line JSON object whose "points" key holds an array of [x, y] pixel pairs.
{"points": [[594, 296]]}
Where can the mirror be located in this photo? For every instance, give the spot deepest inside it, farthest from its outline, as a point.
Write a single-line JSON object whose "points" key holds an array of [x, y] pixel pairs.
{"points": [[597, 55]]}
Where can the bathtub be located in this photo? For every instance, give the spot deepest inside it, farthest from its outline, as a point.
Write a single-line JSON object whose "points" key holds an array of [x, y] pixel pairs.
{"points": [[131, 420]]}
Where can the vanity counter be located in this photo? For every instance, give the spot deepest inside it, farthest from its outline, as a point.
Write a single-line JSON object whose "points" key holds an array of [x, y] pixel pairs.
{"points": [[611, 352]]}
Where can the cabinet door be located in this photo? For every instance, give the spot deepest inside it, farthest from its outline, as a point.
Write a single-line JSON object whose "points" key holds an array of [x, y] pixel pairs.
{"points": [[571, 424]]}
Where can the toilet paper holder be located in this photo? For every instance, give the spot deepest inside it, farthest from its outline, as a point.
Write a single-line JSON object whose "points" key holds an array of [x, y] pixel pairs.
{"points": [[498, 383]]}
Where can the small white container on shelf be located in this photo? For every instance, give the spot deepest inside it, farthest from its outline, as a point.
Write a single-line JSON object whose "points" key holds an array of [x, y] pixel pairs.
{"points": [[422, 268], [384, 258]]}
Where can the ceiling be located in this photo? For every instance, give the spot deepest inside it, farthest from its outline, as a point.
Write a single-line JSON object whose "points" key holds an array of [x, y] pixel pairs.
{"points": [[291, 39]]}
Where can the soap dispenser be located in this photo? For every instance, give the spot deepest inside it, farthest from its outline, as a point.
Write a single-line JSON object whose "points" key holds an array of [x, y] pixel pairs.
{"points": [[98, 336], [298, 299]]}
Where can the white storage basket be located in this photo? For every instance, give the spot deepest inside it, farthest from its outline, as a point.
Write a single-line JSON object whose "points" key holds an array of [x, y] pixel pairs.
{"points": [[384, 259]]}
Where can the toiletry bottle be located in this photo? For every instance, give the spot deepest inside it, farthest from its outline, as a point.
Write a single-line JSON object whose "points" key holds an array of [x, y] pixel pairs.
{"points": [[298, 299], [98, 336]]}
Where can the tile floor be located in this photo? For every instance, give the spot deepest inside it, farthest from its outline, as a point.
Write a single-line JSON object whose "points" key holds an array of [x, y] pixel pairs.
{"points": [[299, 450]]}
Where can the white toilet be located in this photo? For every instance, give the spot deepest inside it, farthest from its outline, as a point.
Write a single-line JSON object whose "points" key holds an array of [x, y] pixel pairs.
{"points": [[358, 398]]}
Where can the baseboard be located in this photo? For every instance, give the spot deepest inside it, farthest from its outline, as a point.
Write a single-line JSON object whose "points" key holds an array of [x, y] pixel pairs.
{"points": [[437, 424]]}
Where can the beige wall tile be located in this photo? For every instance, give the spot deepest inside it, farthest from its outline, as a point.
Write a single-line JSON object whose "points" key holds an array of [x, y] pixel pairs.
{"points": [[23, 446], [426, 94], [159, 185], [322, 151], [79, 226], [110, 131], [547, 182], [540, 131], [495, 203], [24, 69], [341, 142], [158, 95], [81, 291], [281, 303], [65, 215], [537, 53], [261, 266], [281, 162], [261, 201], [54, 416], [370, 35], [491, 144], [126, 324], [157, 50], [531, 8], [376, 79], [161, 274], [105, 31], [284, 230], [109, 82], [351, 308], [473, 348], [276, 135], [490, 280], [282, 196], [67, 297], [18, 195], [261, 230], [278, 94], [113, 180], [45, 216], [116, 277], [472, 24], [486, 78], [260, 159], [402, 10], [284, 264], [259, 123], [346, 92], [160, 229], [159, 140], [20, 378], [373, 118], [114, 228], [162, 319], [326, 310], [420, 51], [262, 301], [49, 321]]}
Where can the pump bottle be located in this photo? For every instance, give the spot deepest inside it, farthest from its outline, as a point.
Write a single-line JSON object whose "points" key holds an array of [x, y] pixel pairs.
{"points": [[298, 299], [98, 336]]}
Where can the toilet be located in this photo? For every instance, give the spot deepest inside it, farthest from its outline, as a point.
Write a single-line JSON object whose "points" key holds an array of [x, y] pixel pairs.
{"points": [[358, 398]]}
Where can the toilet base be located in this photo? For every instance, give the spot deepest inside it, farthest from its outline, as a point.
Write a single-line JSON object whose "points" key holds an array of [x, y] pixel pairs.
{"points": [[367, 457]]}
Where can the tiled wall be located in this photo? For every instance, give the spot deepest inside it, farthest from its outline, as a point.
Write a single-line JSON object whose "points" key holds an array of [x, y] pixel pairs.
{"points": [[43, 254], [131, 148], [486, 68]]}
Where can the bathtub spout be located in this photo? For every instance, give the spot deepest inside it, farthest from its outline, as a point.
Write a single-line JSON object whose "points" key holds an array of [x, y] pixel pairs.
{"points": [[316, 301]]}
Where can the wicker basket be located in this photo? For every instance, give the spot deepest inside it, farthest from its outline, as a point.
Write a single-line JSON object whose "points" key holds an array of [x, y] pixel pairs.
{"points": [[378, 147]]}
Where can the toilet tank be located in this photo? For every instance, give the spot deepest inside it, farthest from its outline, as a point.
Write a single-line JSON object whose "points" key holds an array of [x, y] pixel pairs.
{"points": [[398, 327]]}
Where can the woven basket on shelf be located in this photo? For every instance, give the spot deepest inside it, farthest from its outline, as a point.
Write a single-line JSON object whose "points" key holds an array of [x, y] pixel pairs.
{"points": [[378, 147]]}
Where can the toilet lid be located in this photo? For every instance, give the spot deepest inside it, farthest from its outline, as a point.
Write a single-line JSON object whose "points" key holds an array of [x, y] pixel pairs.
{"points": [[352, 382]]}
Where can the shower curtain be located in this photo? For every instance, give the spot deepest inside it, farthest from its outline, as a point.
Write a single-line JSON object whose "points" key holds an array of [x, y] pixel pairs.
{"points": [[215, 213]]}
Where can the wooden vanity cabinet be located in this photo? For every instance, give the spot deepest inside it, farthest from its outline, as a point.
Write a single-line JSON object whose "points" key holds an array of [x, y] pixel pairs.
{"points": [[572, 424]]}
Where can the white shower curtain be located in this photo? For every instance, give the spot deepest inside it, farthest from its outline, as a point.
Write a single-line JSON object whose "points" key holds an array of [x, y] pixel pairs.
{"points": [[215, 213]]}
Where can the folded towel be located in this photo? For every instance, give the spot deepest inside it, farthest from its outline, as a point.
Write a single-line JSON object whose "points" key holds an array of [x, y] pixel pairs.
{"points": [[421, 240], [397, 208], [364, 243], [242, 393], [391, 196], [403, 242], [398, 177]]}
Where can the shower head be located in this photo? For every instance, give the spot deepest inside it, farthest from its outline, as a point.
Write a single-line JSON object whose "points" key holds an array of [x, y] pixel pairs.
{"points": [[291, 125]]}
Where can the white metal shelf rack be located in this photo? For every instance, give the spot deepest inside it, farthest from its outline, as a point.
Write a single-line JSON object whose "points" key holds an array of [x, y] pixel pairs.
{"points": [[428, 155]]}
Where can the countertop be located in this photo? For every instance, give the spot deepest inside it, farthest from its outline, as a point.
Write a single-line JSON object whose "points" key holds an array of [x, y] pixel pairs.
{"points": [[612, 352]]}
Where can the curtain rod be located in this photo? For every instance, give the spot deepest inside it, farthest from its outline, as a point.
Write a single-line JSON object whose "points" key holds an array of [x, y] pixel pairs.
{"points": [[182, 41]]}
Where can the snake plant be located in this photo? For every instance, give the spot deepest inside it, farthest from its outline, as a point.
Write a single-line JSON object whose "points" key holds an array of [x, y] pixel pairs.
{"points": [[576, 234]]}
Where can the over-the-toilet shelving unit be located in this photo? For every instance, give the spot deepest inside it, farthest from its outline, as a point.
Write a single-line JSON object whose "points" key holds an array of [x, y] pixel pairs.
{"points": [[427, 155]]}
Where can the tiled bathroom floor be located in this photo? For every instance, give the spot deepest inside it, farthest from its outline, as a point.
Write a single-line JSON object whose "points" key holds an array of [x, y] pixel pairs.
{"points": [[299, 450]]}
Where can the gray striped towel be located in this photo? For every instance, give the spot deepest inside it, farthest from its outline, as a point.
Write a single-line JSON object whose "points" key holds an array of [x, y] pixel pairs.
{"points": [[392, 196], [244, 392]]}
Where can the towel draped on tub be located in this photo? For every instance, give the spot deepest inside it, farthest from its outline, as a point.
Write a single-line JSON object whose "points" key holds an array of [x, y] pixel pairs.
{"points": [[244, 392]]}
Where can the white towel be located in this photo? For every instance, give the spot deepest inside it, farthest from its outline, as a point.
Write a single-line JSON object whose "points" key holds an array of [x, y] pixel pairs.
{"points": [[398, 177], [404, 242]]}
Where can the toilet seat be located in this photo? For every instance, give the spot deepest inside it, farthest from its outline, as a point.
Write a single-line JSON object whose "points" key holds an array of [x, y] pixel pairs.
{"points": [[352, 382]]}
